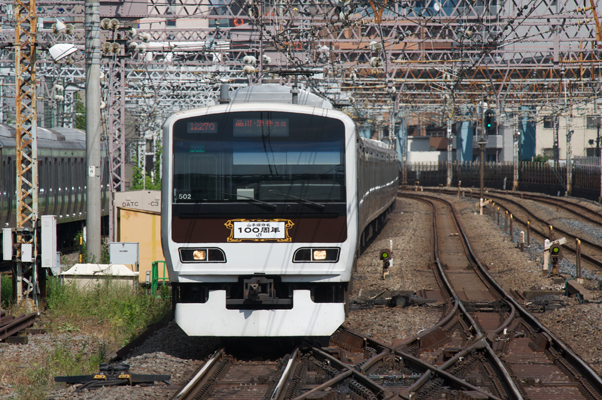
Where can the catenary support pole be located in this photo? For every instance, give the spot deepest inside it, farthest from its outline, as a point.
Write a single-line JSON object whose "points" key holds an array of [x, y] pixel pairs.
{"points": [[93, 204]]}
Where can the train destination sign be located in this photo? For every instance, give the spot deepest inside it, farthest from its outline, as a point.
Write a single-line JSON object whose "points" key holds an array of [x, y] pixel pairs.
{"points": [[259, 230], [201, 127], [257, 127]]}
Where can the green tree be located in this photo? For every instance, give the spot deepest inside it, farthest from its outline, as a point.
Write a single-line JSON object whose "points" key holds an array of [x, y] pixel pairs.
{"points": [[540, 158], [80, 113], [140, 181]]}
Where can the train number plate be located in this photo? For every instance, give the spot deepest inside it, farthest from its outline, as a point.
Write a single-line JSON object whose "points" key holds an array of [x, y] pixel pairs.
{"points": [[259, 230]]}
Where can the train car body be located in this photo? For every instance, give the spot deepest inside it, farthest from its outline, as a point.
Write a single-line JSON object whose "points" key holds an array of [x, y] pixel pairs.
{"points": [[263, 206], [61, 175]]}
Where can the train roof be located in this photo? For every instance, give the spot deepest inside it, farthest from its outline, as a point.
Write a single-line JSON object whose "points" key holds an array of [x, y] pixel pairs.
{"points": [[268, 93], [57, 134], [55, 138]]}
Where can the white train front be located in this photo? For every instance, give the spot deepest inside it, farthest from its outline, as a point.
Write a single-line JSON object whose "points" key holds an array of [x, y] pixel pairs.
{"points": [[262, 218]]}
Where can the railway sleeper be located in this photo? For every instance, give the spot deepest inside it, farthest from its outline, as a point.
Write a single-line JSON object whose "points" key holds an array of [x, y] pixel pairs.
{"points": [[434, 339], [539, 342], [568, 369], [482, 306], [347, 341]]}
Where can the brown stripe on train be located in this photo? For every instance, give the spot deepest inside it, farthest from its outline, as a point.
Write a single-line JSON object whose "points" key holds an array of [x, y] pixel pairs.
{"points": [[304, 230]]}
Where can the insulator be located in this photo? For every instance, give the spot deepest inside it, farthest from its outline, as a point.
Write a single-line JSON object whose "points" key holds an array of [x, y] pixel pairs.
{"points": [[105, 23], [375, 46], [115, 48], [376, 62], [324, 50], [250, 60], [248, 69], [114, 24]]}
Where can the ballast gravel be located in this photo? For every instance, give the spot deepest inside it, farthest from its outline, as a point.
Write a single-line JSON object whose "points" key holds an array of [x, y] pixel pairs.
{"points": [[170, 351]]}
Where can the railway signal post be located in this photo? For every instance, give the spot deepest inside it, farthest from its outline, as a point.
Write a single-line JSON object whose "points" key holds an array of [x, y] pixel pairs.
{"points": [[385, 257], [552, 253]]}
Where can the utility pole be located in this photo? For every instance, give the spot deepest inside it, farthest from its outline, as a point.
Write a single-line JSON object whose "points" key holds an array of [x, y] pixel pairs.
{"points": [[516, 138], [404, 150], [569, 134], [93, 205], [569, 172], [26, 149], [555, 146], [482, 142], [599, 154], [449, 151]]}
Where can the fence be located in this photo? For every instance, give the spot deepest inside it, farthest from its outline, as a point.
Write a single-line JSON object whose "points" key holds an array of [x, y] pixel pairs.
{"points": [[532, 177]]}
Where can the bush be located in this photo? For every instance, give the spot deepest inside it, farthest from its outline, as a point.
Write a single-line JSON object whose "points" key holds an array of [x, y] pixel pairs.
{"points": [[6, 284], [128, 311], [105, 256]]}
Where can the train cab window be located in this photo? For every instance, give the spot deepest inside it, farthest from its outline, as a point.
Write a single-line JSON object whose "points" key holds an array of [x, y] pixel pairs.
{"points": [[268, 156]]}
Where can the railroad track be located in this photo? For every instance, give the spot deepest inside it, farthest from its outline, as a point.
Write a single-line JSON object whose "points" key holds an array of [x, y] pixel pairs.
{"points": [[532, 361], [352, 366], [590, 251], [10, 325], [577, 209]]}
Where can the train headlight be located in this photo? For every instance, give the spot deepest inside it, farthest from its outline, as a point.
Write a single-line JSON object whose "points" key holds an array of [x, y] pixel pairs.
{"points": [[319, 255], [206, 255], [308, 254], [199, 255]]}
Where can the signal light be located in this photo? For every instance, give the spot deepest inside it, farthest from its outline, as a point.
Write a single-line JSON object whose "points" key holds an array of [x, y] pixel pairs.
{"points": [[555, 254], [385, 256], [489, 120]]}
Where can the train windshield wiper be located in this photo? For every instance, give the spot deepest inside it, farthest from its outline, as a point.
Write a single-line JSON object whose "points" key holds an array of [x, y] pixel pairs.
{"points": [[313, 203], [252, 199]]}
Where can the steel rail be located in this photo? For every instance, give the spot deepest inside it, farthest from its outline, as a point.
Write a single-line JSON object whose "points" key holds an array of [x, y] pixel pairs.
{"points": [[16, 325], [409, 360], [565, 204], [512, 390], [593, 383], [569, 235], [203, 372], [593, 379]]}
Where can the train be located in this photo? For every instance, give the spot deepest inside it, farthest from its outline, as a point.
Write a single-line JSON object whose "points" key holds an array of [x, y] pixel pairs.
{"points": [[61, 179], [267, 201]]}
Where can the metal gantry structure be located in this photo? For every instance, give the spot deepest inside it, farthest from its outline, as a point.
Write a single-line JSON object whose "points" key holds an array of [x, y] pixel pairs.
{"points": [[26, 148], [406, 62]]}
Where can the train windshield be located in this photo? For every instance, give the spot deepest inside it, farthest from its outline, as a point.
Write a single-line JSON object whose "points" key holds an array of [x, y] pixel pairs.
{"points": [[259, 156]]}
